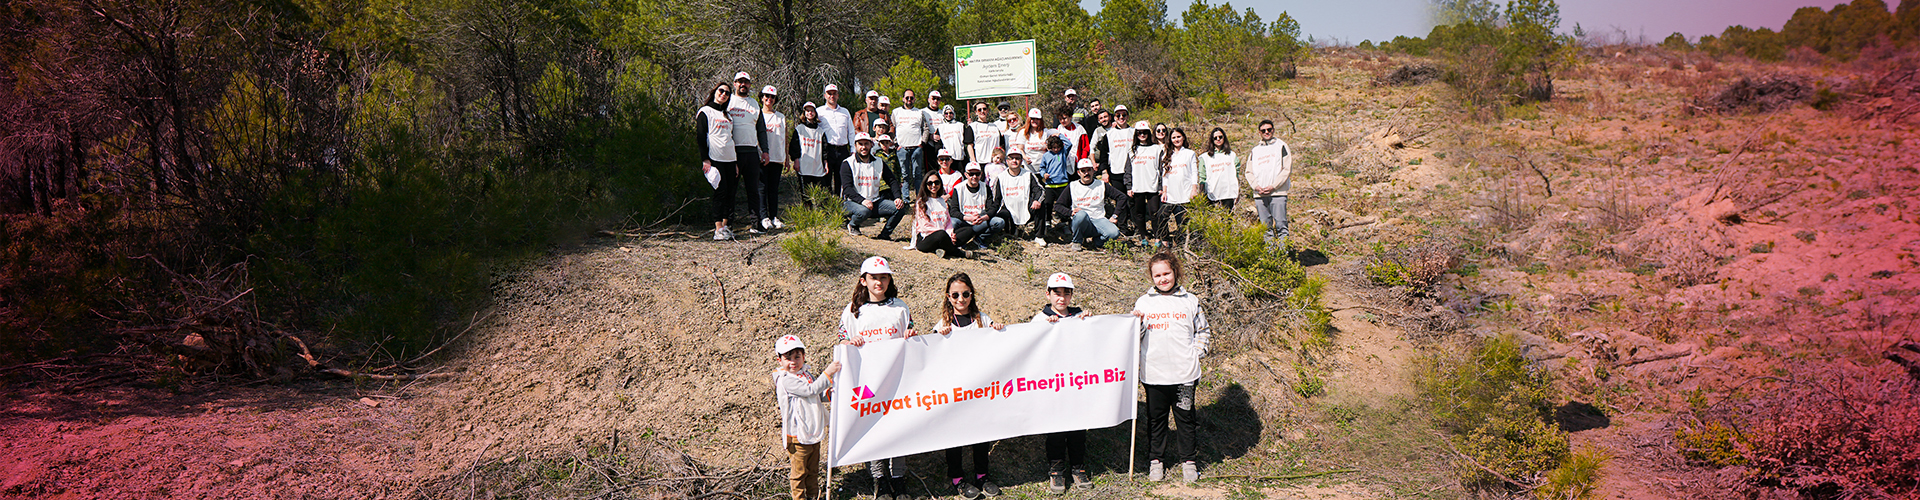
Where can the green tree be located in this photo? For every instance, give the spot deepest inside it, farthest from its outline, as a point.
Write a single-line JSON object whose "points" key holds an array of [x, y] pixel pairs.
{"points": [[1285, 48], [1807, 28], [1856, 26], [1676, 42], [907, 74], [1906, 23]]}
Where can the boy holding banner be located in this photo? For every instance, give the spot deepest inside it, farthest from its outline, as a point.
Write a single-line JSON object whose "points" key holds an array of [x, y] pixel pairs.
{"points": [[1174, 334], [802, 420], [1070, 447]]}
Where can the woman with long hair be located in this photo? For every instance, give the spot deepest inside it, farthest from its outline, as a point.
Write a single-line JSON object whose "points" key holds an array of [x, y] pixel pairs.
{"points": [[1143, 187], [1177, 184], [718, 156], [933, 223], [962, 310], [876, 313], [1220, 170]]}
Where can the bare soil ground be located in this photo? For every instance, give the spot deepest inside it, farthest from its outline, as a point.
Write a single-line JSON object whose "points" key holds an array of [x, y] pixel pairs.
{"points": [[1680, 255]]}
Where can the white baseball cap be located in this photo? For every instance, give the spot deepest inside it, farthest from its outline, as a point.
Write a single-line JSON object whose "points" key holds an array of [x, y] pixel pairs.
{"points": [[769, 90], [971, 166], [1119, 107], [832, 88], [1015, 152], [1033, 113], [875, 265], [1084, 163], [1058, 280], [809, 104], [862, 137], [884, 138], [742, 76], [1070, 92], [787, 343], [1142, 124], [873, 93], [885, 100], [944, 152], [933, 93], [881, 121]]}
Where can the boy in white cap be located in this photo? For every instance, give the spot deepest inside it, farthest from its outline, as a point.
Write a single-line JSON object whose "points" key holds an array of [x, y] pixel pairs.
{"points": [[803, 421], [875, 314], [862, 193], [1067, 448]]}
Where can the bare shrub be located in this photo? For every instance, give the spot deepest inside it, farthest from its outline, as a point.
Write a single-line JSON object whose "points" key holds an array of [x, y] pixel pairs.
{"points": [[1409, 75], [1758, 95], [1836, 431]]}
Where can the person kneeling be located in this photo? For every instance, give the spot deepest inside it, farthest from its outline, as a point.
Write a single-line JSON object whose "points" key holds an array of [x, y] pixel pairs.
{"points": [[1086, 204], [976, 203], [862, 196]]}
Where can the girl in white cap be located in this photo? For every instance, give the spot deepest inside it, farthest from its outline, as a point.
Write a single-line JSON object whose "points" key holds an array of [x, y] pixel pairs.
{"points": [[803, 421], [877, 313], [962, 310], [1173, 336], [1033, 136], [717, 155], [1067, 448], [776, 148]]}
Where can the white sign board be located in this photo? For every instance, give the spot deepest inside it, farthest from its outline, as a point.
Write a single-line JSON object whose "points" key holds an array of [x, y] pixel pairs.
{"points": [[899, 397], [996, 70]]}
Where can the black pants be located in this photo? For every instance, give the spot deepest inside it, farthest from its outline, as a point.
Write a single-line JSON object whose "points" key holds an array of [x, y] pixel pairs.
{"points": [[1043, 216], [770, 188], [835, 155], [824, 182], [1143, 205], [1179, 400], [723, 194], [1169, 212], [750, 176], [1226, 203], [1067, 448], [940, 240], [954, 469]]}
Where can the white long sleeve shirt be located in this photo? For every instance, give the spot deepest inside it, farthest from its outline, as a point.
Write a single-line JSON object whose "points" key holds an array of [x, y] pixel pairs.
{"points": [[837, 123], [801, 415], [1173, 336], [1270, 165]]}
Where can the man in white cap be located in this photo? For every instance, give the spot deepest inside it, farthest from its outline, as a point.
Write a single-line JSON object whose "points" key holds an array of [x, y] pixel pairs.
{"points": [[869, 189], [837, 129], [749, 133], [864, 117], [776, 152], [976, 204], [910, 130], [1073, 103], [1091, 205]]}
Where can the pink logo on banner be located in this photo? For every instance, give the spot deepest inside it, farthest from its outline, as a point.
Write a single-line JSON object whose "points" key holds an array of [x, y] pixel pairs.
{"points": [[862, 392]]}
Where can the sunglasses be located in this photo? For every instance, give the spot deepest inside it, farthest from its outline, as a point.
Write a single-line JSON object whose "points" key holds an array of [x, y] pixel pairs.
{"points": [[1266, 130], [975, 173], [961, 295], [1219, 137], [933, 183]]}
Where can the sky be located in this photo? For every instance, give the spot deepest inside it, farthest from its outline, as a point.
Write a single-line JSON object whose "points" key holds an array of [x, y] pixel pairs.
{"points": [[1351, 21]]}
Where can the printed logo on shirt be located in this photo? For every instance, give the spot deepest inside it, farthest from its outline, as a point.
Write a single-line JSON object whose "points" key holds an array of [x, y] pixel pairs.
{"points": [[1162, 321]]}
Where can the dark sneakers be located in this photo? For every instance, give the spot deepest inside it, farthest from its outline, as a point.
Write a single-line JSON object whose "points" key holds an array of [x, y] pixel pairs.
{"points": [[1057, 483], [966, 490], [988, 488], [1081, 479]]}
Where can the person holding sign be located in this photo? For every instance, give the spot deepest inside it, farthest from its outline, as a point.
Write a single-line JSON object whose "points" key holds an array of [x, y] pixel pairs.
{"points": [[718, 156], [1269, 173], [1173, 336], [1069, 448], [962, 311], [877, 313], [1219, 172], [802, 420]]}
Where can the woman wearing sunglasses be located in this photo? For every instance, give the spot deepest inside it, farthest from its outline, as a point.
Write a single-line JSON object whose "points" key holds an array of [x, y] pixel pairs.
{"points": [[933, 223], [1219, 172]]}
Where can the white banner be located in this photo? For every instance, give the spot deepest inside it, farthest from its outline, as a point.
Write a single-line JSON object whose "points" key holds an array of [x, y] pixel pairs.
{"points": [[996, 70], [904, 396]]}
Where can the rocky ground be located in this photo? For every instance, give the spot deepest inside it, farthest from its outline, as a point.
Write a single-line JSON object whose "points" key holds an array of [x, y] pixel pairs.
{"points": [[1648, 253]]}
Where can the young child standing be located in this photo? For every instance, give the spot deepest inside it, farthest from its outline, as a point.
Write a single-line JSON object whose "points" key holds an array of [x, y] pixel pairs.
{"points": [[1066, 448], [960, 311], [802, 419], [1174, 335], [877, 313]]}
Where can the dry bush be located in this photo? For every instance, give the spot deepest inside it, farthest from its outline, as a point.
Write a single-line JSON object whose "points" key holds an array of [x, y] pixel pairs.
{"points": [[1417, 266], [1757, 95], [1893, 96], [1834, 431], [1409, 75], [1705, 66]]}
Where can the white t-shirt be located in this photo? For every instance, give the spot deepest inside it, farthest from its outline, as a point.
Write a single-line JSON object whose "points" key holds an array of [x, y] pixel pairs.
{"points": [[1089, 198], [1119, 145], [951, 135], [1181, 180], [837, 123], [909, 127], [1015, 195], [985, 138], [877, 321], [937, 218]]}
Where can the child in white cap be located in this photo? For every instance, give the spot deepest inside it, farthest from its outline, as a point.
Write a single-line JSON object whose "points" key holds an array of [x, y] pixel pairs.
{"points": [[877, 313], [1067, 448], [803, 421]]}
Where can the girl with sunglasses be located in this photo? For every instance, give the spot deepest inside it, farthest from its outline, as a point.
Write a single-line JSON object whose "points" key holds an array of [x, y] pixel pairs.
{"points": [[961, 310], [1219, 172], [718, 155]]}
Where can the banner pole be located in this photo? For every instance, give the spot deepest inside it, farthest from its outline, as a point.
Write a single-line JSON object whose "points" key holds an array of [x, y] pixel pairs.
{"points": [[1133, 435], [833, 431]]}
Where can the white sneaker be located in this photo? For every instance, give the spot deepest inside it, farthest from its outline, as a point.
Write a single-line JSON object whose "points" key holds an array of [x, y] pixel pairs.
{"points": [[1189, 472], [779, 224], [722, 234], [1040, 241], [767, 224], [940, 252], [1073, 247], [1156, 472]]}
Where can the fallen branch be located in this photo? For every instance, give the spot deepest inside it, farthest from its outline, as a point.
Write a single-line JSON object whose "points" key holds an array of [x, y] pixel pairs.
{"points": [[1283, 478], [1662, 357], [389, 378]]}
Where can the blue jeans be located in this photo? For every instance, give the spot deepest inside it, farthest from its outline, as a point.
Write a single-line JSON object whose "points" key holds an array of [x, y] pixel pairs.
{"points": [[858, 214], [1100, 230], [910, 167], [992, 227]]}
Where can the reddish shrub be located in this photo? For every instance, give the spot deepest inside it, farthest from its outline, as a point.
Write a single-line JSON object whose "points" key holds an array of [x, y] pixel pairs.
{"points": [[1846, 430]]}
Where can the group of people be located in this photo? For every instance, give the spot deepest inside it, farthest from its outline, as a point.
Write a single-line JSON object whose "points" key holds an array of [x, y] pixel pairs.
{"points": [[1170, 367], [1087, 179]]}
